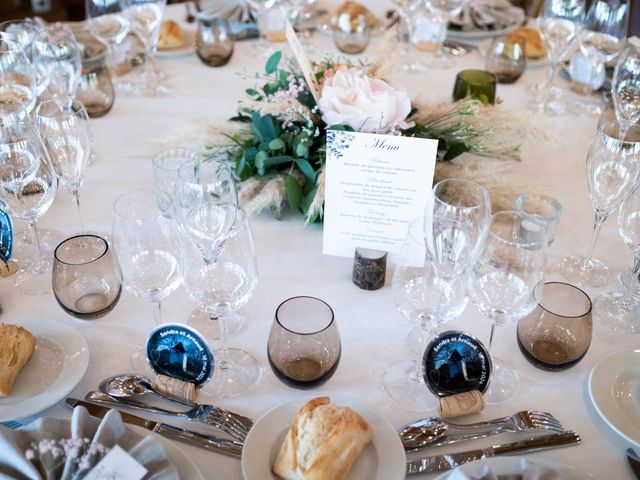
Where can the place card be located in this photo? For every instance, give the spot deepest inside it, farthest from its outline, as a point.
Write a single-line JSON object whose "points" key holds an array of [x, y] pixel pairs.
{"points": [[117, 464], [180, 352], [375, 185]]}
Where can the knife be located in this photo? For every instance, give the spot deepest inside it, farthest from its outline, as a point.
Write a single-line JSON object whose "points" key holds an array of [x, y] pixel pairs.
{"points": [[452, 460], [208, 442], [634, 462]]}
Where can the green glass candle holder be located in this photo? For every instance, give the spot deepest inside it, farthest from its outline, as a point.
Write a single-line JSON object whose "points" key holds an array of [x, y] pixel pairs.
{"points": [[478, 84]]}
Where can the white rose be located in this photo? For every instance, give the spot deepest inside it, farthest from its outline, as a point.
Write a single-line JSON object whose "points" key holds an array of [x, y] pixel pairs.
{"points": [[366, 104]]}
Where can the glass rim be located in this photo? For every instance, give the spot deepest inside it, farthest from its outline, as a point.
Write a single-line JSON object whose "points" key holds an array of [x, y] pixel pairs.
{"points": [[464, 181], [542, 284], [603, 127], [547, 218], [507, 241], [331, 321], [82, 235], [189, 156], [126, 213], [62, 114]]}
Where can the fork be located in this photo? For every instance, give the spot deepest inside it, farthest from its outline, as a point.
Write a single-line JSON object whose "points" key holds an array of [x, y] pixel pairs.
{"points": [[13, 425], [234, 425]]}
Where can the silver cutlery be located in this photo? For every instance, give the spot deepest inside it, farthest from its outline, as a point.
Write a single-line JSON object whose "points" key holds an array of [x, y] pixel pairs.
{"points": [[434, 431], [134, 385], [634, 462], [451, 460], [458, 49], [209, 442], [207, 414]]}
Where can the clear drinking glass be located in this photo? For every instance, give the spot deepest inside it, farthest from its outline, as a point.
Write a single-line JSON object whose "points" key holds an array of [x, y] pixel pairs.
{"points": [[166, 166], [22, 34], [85, 281], [613, 166], [559, 23], [602, 37], [621, 311], [502, 285], [107, 21], [145, 18], [427, 300], [351, 34], [304, 343], [214, 42], [17, 84], [221, 287], [56, 48], [68, 139], [625, 89], [557, 333], [542, 208], [148, 250], [428, 30], [506, 59], [27, 187]]}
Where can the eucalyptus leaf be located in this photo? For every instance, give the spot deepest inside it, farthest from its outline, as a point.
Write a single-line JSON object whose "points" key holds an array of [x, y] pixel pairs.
{"points": [[294, 192], [276, 144], [306, 168], [272, 63]]}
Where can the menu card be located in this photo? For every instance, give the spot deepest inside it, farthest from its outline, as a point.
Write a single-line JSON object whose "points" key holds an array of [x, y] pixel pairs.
{"points": [[375, 186]]}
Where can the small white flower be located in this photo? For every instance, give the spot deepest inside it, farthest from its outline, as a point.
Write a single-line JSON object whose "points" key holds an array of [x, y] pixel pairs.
{"points": [[364, 103]]}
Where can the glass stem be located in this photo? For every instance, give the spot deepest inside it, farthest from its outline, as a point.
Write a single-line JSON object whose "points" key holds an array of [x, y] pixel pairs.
{"points": [[552, 79], [33, 230], [76, 197], [157, 313], [491, 335], [224, 361], [599, 221], [636, 271], [428, 331]]}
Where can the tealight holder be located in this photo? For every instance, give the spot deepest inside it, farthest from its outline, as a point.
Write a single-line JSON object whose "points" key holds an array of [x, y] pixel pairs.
{"points": [[351, 34], [478, 84]]}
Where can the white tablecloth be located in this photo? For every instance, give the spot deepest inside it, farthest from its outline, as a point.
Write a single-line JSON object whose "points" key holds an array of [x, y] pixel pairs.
{"points": [[291, 263]]}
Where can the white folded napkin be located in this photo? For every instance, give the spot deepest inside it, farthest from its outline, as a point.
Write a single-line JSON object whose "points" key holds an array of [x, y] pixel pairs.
{"points": [[109, 432], [240, 10], [486, 15], [528, 470]]}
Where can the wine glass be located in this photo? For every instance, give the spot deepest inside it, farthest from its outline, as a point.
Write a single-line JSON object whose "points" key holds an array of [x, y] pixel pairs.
{"points": [[425, 299], [68, 139], [503, 280], [27, 187], [145, 17], [166, 166], [620, 311], [107, 21], [625, 89], [58, 51], [220, 288], [602, 37], [17, 85], [612, 171], [559, 23], [147, 250]]}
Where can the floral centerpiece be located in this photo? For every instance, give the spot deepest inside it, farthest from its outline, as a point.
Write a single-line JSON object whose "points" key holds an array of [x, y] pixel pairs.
{"points": [[279, 148]]}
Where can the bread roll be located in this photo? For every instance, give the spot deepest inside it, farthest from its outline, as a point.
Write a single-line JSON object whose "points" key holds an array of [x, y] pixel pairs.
{"points": [[16, 347], [170, 35], [323, 443], [534, 45]]}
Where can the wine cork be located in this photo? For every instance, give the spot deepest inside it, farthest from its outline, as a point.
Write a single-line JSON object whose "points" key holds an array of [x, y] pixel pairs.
{"points": [[275, 36], [8, 268], [369, 268], [176, 387], [461, 404]]}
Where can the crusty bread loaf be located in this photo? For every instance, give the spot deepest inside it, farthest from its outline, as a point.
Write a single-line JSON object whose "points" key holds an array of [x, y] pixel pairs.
{"points": [[534, 45], [170, 35], [16, 347], [324, 442]]}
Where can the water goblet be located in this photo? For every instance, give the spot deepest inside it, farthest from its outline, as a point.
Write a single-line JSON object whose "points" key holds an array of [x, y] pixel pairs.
{"points": [[621, 311], [147, 251], [214, 42], [17, 84], [220, 287], [85, 281], [429, 301], [503, 280], [166, 166], [557, 333], [559, 23], [542, 208], [506, 59], [27, 187], [612, 171], [68, 139], [107, 21], [625, 89], [304, 342], [428, 30]]}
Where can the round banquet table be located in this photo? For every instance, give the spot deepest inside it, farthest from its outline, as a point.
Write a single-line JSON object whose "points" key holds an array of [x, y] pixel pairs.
{"points": [[291, 262]]}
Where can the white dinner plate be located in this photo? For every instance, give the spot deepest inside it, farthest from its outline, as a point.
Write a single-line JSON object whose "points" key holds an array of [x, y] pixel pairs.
{"points": [[187, 470], [382, 459], [515, 466], [57, 365], [614, 389], [518, 17], [188, 48]]}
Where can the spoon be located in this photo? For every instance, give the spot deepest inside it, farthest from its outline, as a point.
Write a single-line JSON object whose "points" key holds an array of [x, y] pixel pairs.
{"points": [[131, 385], [422, 432]]}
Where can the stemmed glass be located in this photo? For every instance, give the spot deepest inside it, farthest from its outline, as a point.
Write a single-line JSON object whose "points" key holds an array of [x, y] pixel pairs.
{"points": [[107, 21], [559, 23], [145, 18], [502, 286], [147, 248], [602, 37], [27, 186], [612, 171], [17, 84], [620, 311], [625, 89], [56, 48], [426, 299], [68, 139], [221, 288]]}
